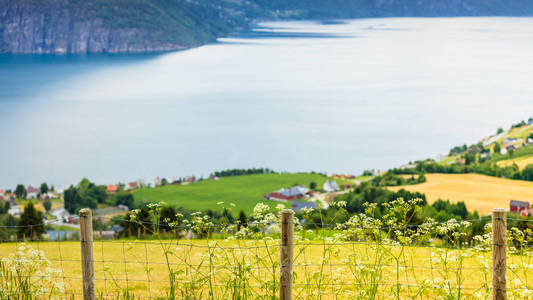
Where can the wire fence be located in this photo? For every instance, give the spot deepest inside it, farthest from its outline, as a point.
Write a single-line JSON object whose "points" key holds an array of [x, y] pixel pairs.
{"points": [[334, 261]]}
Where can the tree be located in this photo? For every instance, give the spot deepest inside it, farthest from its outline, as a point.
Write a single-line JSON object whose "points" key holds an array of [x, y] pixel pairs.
{"points": [[124, 199], [20, 191], [85, 194], [497, 148], [44, 188], [500, 131], [243, 221], [31, 223], [47, 204], [527, 173]]}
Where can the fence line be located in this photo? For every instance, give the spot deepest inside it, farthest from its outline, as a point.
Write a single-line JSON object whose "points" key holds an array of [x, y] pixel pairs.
{"points": [[290, 251], [499, 249]]}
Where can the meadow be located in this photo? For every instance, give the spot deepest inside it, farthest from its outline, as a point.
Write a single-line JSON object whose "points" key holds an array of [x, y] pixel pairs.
{"points": [[362, 258], [479, 192], [243, 191]]}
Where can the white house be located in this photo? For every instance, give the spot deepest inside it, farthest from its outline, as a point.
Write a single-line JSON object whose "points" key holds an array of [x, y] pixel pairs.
{"points": [[32, 192], [14, 209], [61, 214], [331, 186]]}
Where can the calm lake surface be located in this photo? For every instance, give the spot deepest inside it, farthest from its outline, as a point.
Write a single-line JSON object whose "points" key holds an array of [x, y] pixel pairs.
{"points": [[291, 96]]}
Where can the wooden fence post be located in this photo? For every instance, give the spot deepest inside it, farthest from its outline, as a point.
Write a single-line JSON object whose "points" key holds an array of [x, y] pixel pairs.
{"points": [[499, 254], [286, 258], [87, 256]]}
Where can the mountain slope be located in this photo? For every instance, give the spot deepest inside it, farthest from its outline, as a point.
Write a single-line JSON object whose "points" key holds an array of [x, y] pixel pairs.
{"points": [[74, 26], [79, 26]]}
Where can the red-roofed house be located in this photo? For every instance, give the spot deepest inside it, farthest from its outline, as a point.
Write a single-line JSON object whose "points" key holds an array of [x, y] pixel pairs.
{"points": [[132, 185], [111, 189], [521, 207]]}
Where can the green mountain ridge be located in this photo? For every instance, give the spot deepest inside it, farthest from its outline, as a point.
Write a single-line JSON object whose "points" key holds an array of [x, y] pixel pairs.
{"points": [[112, 26]]}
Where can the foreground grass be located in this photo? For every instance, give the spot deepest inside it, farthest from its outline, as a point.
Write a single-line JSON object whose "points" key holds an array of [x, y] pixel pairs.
{"points": [[244, 191], [479, 192], [322, 271]]}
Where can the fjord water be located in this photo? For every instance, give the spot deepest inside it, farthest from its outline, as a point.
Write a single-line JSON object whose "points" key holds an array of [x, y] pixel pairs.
{"points": [[291, 96]]}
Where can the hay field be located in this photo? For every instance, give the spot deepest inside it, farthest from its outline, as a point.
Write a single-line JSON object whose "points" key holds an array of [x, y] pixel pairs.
{"points": [[479, 192], [521, 162], [334, 272]]}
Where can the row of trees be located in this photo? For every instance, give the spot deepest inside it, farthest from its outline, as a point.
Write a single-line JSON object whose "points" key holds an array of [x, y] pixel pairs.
{"points": [[393, 179], [239, 172], [88, 194], [489, 168]]}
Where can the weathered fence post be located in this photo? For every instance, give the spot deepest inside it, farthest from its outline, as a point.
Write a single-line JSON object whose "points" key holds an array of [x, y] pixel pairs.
{"points": [[286, 258], [87, 256], [499, 254]]}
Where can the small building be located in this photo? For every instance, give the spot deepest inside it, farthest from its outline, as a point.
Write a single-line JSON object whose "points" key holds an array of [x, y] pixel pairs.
{"points": [[520, 207], [510, 147], [1, 192], [32, 192], [300, 206], [190, 179], [293, 193], [14, 209], [111, 189], [331, 186], [157, 182], [61, 214], [132, 185]]}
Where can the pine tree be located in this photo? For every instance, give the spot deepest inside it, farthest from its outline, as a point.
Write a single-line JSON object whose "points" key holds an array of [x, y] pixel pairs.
{"points": [[31, 223]]}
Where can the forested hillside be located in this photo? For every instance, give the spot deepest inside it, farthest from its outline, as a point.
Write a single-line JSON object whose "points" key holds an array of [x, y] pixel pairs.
{"points": [[79, 26]]}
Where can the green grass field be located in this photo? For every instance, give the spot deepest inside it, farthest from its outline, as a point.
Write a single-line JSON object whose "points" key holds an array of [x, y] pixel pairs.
{"points": [[244, 191]]}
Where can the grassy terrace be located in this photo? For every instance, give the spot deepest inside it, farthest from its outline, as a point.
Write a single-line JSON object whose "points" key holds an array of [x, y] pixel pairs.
{"points": [[244, 191]]}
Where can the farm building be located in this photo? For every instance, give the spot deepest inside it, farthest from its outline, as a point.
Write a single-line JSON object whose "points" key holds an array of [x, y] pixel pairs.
{"points": [[520, 207], [330, 186], [293, 193]]}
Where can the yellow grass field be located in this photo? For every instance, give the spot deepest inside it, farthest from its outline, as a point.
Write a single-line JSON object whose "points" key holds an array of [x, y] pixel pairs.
{"points": [[479, 192], [521, 162], [336, 272]]}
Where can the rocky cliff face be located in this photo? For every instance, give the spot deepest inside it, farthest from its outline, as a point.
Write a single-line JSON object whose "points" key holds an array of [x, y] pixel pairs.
{"points": [[111, 26], [26, 28], [108, 26]]}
